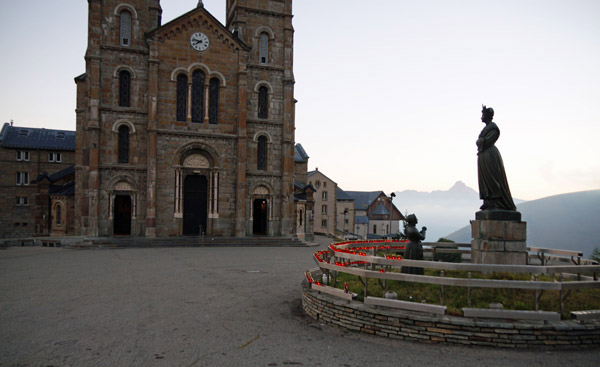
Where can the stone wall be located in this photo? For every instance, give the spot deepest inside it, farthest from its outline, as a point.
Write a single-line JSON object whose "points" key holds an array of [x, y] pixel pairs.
{"points": [[404, 325]]}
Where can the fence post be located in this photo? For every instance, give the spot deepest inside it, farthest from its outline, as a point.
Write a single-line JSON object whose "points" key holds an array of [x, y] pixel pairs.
{"points": [[537, 295], [469, 293], [443, 274], [560, 278]]}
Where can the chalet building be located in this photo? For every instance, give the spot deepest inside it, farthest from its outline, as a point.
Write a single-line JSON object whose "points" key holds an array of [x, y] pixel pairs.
{"points": [[187, 127], [37, 181], [375, 214]]}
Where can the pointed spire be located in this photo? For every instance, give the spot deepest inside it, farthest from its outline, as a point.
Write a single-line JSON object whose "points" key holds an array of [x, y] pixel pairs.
{"points": [[200, 4]]}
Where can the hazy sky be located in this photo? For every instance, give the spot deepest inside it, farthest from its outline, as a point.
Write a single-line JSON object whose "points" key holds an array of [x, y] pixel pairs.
{"points": [[389, 92]]}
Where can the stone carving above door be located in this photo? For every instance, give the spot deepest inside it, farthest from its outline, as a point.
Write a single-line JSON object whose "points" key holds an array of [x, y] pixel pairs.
{"points": [[123, 186], [196, 161], [261, 190]]}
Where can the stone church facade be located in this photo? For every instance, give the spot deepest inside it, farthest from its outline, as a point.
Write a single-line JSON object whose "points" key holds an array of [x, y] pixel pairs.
{"points": [[187, 127]]}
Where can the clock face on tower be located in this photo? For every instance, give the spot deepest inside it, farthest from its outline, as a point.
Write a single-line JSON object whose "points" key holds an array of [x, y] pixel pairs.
{"points": [[199, 41]]}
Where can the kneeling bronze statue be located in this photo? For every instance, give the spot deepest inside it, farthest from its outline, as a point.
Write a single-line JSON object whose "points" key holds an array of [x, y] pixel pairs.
{"points": [[414, 249]]}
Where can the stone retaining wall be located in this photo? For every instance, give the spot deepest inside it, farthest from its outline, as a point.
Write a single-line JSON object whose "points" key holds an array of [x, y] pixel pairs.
{"points": [[405, 325]]}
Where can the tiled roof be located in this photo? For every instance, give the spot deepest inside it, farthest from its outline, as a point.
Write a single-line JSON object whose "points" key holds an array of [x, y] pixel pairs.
{"points": [[342, 195], [312, 173], [35, 138], [300, 197], [361, 219], [62, 190], [381, 210], [362, 199], [62, 173], [300, 155]]}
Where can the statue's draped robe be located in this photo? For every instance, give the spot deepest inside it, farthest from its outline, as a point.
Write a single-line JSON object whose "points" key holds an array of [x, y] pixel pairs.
{"points": [[414, 249], [493, 185]]}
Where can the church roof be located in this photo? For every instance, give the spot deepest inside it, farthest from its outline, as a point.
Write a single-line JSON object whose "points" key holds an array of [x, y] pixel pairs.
{"points": [[300, 155], [36, 138]]}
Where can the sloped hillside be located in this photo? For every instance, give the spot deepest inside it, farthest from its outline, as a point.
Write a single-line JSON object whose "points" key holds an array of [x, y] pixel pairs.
{"points": [[567, 221]]}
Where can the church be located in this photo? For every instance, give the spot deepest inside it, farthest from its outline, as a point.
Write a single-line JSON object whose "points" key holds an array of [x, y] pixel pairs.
{"points": [[186, 128]]}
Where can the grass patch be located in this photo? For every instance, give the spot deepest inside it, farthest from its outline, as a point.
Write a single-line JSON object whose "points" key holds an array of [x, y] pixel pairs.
{"points": [[455, 298]]}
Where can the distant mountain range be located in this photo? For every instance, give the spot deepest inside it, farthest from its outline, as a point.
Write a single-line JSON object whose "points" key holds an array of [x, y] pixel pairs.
{"points": [[442, 212], [568, 221]]}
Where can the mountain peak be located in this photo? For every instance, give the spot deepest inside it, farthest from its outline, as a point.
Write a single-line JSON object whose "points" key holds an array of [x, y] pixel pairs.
{"points": [[461, 187]]}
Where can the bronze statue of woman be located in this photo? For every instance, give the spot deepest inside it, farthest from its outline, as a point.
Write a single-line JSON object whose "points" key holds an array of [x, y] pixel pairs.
{"points": [[493, 185]]}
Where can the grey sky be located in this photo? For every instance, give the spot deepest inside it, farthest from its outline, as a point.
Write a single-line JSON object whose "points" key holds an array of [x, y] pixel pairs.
{"points": [[389, 92]]}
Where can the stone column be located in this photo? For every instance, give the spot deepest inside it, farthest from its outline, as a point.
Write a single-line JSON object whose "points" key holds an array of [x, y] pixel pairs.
{"points": [[152, 141], [498, 237]]}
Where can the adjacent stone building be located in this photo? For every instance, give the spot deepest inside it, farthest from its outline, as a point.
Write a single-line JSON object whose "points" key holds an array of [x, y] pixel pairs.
{"points": [[325, 202], [187, 127], [304, 202], [346, 212], [36, 181]]}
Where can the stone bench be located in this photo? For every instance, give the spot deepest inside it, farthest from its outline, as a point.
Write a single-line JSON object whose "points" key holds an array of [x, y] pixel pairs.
{"points": [[334, 291], [583, 316], [511, 314], [406, 305]]}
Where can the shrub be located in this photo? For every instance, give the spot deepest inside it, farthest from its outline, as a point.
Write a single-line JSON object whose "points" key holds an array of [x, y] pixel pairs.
{"points": [[449, 258]]}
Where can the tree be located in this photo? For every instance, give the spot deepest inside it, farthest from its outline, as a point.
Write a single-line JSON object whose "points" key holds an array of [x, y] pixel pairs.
{"points": [[595, 254]]}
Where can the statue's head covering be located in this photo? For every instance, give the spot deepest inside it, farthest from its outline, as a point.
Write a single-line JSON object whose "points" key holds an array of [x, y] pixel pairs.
{"points": [[487, 112], [412, 219]]}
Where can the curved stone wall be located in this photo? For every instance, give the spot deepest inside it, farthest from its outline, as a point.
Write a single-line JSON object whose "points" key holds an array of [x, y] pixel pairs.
{"points": [[399, 324]]}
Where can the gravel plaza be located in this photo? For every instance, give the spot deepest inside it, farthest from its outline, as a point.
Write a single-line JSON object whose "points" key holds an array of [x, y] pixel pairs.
{"points": [[197, 306]]}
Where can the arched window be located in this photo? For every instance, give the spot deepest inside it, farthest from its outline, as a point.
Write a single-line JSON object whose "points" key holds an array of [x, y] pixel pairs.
{"points": [[58, 214], [182, 85], [263, 48], [198, 96], [213, 104], [263, 102], [261, 153], [124, 88], [125, 28], [123, 144]]}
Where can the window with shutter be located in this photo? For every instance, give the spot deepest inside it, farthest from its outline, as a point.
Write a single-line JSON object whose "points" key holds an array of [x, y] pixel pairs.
{"points": [[125, 30], [263, 48]]}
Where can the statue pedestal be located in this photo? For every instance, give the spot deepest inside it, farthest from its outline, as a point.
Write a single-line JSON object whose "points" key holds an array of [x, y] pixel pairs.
{"points": [[498, 237]]}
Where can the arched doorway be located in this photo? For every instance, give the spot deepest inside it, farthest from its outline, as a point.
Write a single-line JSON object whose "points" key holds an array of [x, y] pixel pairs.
{"points": [[194, 205], [122, 215], [260, 216]]}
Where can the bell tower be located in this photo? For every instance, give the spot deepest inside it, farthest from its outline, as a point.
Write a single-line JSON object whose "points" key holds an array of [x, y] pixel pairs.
{"points": [[112, 90], [266, 27]]}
